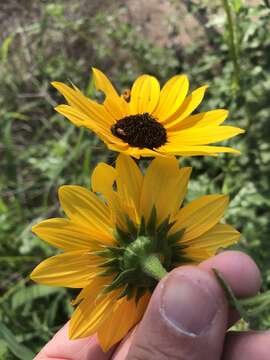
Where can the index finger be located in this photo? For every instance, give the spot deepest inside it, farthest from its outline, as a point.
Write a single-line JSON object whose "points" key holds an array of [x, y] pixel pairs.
{"points": [[60, 347]]}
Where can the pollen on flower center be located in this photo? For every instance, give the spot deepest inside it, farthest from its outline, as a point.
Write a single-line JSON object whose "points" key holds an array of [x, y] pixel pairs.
{"points": [[142, 131]]}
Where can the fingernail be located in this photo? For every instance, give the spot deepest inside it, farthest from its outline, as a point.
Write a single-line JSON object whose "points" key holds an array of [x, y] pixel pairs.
{"points": [[187, 306]]}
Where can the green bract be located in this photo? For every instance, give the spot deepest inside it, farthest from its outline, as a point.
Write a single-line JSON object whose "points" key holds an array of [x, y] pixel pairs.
{"points": [[144, 254]]}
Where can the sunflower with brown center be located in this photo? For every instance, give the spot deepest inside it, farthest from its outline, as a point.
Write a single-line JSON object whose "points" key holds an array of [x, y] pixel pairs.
{"points": [[147, 121], [118, 243]]}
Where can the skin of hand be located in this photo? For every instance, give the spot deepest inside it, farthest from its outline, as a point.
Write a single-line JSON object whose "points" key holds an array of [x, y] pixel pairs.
{"points": [[187, 319]]}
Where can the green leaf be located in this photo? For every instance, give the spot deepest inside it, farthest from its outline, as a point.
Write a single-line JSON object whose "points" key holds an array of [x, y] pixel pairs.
{"points": [[5, 47], [19, 350], [31, 293], [3, 349]]}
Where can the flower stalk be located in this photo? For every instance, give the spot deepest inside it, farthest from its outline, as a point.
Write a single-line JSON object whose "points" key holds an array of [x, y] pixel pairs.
{"points": [[152, 266]]}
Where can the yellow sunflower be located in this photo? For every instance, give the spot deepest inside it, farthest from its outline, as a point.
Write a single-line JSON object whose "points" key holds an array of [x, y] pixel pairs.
{"points": [[147, 121], [118, 244]]}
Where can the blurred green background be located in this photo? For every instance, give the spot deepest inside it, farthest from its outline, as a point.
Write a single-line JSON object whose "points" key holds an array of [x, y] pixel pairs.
{"points": [[223, 43]]}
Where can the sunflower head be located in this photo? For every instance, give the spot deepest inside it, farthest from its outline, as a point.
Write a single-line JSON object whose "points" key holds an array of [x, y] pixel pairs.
{"points": [[121, 237], [141, 130], [147, 120]]}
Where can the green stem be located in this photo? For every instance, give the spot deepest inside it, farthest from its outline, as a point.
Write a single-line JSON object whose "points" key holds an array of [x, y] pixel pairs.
{"points": [[248, 308], [232, 41], [151, 265], [256, 300]]}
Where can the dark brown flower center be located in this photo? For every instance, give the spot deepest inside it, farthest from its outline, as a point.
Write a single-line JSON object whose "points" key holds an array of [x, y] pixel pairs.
{"points": [[142, 131]]}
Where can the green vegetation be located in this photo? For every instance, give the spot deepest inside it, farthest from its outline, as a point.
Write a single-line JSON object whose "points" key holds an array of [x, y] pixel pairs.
{"points": [[39, 150]]}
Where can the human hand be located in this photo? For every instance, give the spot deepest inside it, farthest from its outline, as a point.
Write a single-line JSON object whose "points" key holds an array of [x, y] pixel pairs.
{"points": [[186, 319]]}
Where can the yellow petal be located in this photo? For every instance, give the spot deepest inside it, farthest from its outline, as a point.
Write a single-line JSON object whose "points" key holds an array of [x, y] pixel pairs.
{"points": [[79, 119], [100, 128], [92, 290], [144, 95], [129, 181], [67, 235], [177, 149], [180, 189], [103, 83], [112, 142], [219, 236], [76, 117], [172, 96], [125, 315], [78, 101], [196, 256], [120, 210], [113, 102], [90, 315], [187, 107], [117, 148], [203, 135], [102, 179], [200, 215], [209, 118], [85, 208], [73, 269], [160, 187], [137, 152]]}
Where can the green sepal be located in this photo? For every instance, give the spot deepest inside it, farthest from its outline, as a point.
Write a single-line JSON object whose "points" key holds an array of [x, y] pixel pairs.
{"points": [[178, 246], [103, 253], [139, 293], [175, 237], [179, 259], [122, 237], [127, 291], [110, 263], [144, 255], [108, 272], [115, 250], [130, 292], [152, 222], [119, 281], [142, 229], [162, 232], [132, 228]]}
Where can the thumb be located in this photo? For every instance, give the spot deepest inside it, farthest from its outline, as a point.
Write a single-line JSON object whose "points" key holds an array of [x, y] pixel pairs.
{"points": [[186, 319]]}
